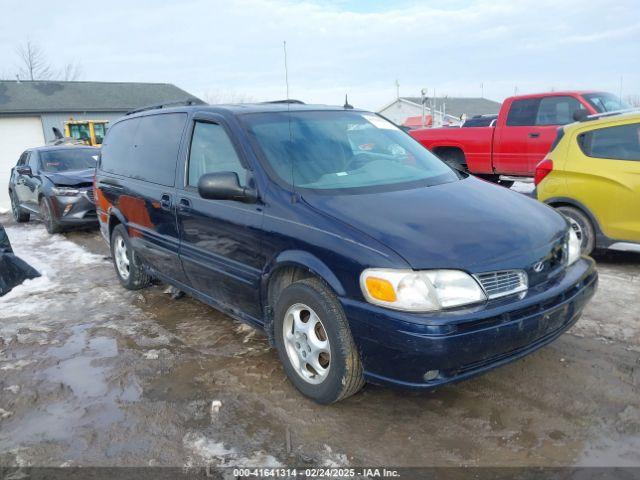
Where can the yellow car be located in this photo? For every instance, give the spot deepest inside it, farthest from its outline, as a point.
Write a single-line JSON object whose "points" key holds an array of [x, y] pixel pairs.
{"points": [[592, 176]]}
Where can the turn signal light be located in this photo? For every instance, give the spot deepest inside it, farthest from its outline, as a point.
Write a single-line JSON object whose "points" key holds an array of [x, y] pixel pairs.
{"points": [[381, 289], [543, 169]]}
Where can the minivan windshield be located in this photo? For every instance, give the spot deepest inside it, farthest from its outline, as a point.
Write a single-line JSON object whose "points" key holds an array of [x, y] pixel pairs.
{"points": [[329, 150], [606, 102], [68, 159]]}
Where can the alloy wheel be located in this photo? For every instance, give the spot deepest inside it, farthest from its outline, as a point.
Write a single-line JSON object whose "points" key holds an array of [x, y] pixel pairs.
{"points": [[121, 258], [307, 343], [576, 228], [14, 207]]}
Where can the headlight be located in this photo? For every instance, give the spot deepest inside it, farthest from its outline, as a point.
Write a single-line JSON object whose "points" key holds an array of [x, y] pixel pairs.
{"points": [[419, 291], [65, 191], [574, 246]]}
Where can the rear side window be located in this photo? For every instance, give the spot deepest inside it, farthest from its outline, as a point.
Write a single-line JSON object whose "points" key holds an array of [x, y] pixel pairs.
{"points": [[557, 110], [145, 148], [212, 152], [118, 146], [156, 148], [23, 159], [556, 141], [523, 112], [618, 143]]}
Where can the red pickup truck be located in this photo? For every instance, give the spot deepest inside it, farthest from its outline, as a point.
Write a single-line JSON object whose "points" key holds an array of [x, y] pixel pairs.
{"points": [[519, 138]]}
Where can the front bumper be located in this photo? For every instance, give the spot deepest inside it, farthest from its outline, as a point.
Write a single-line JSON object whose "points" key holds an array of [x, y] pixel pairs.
{"points": [[80, 210], [398, 348]]}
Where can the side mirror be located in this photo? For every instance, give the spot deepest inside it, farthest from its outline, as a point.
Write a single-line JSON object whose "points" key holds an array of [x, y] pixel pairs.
{"points": [[24, 170], [580, 115], [224, 186]]}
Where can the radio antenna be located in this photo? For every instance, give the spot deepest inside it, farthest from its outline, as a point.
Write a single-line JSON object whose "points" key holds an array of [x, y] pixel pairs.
{"points": [[286, 70]]}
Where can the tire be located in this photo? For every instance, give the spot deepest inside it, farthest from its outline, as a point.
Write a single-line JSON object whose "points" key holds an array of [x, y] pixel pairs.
{"points": [[582, 226], [46, 214], [454, 158], [19, 215], [129, 268], [339, 372]]}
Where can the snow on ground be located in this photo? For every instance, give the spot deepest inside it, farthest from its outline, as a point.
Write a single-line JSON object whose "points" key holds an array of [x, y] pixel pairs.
{"points": [[216, 454], [523, 187], [69, 275], [3, 210], [51, 256]]}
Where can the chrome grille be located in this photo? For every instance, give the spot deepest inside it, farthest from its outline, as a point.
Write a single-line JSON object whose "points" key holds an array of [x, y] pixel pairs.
{"points": [[502, 283]]}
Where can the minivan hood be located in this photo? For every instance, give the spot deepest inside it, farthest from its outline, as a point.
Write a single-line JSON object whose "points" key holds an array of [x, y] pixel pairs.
{"points": [[468, 224], [71, 178]]}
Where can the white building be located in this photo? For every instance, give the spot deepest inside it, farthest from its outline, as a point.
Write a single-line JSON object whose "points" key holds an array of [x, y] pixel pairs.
{"points": [[30, 109], [447, 111]]}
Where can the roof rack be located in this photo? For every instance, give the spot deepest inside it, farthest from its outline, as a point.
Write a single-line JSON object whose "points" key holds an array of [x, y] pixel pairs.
{"points": [[597, 116], [178, 103], [289, 100]]}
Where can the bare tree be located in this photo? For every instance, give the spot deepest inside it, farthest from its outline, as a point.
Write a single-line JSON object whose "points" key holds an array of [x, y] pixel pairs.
{"points": [[213, 97], [71, 71], [34, 65], [33, 62], [633, 100]]}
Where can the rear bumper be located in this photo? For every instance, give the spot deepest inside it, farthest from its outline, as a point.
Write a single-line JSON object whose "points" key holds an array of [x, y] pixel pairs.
{"points": [[398, 348]]}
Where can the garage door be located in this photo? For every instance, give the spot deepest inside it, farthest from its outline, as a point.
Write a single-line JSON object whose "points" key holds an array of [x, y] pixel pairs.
{"points": [[16, 135]]}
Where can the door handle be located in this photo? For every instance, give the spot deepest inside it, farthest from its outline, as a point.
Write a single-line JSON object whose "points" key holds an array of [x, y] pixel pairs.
{"points": [[534, 135], [165, 201], [184, 205]]}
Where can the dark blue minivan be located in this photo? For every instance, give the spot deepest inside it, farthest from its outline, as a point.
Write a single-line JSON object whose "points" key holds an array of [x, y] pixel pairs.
{"points": [[360, 254]]}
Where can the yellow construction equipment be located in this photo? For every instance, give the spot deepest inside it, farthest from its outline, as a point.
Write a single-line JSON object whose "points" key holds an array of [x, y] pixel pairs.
{"points": [[89, 132]]}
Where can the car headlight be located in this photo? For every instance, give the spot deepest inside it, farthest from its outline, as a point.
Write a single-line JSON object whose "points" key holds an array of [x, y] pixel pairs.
{"points": [[65, 191], [420, 291], [574, 247]]}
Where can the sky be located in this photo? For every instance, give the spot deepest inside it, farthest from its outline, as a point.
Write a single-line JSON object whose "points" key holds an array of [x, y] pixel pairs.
{"points": [[233, 50]]}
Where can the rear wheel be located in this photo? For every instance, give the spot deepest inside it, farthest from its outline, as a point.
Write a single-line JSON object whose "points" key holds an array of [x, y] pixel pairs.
{"points": [[454, 158], [19, 215], [583, 227], [129, 268], [48, 218], [314, 342]]}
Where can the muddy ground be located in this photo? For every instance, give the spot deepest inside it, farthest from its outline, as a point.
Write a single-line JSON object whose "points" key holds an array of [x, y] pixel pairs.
{"points": [[91, 374]]}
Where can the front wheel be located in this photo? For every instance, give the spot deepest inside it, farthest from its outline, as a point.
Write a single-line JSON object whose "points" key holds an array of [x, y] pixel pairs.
{"points": [[314, 342], [48, 218], [129, 268]]}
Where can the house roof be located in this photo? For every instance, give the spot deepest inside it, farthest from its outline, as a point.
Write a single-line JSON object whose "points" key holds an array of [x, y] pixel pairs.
{"points": [[57, 96], [456, 106]]}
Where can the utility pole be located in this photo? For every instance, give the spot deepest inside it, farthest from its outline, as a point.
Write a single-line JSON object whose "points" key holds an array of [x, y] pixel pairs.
{"points": [[620, 87], [397, 89], [423, 95], [482, 90]]}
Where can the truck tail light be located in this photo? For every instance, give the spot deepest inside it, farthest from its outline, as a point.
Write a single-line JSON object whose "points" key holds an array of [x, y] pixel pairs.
{"points": [[543, 169]]}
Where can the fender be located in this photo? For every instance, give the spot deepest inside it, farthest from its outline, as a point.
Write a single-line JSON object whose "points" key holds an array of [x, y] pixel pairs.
{"points": [[602, 241], [113, 211], [300, 258], [447, 144], [293, 258]]}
